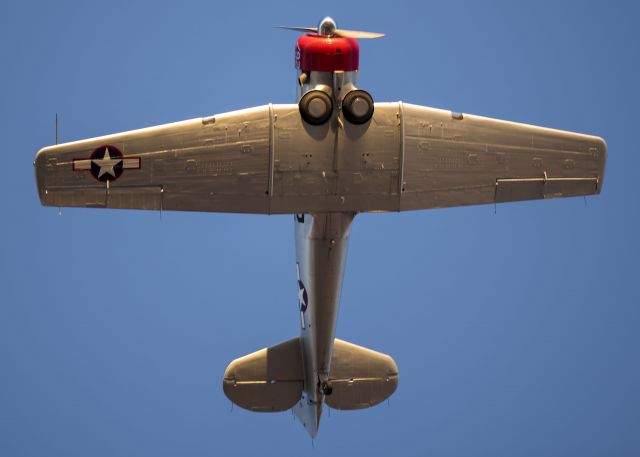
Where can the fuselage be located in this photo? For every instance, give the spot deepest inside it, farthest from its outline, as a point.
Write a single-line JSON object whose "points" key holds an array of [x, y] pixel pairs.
{"points": [[321, 249], [327, 67]]}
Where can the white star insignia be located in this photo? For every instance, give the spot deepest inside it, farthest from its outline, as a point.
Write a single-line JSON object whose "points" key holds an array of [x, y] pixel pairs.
{"points": [[106, 164], [301, 296], [301, 291]]}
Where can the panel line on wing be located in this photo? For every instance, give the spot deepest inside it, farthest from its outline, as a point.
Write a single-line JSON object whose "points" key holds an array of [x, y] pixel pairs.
{"points": [[271, 154], [402, 150]]}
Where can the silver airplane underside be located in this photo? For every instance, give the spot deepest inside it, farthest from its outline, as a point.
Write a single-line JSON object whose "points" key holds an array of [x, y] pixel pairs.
{"points": [[323, 162]]}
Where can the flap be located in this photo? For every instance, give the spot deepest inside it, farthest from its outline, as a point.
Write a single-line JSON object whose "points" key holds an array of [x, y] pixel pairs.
{"points": [[508, 190]]}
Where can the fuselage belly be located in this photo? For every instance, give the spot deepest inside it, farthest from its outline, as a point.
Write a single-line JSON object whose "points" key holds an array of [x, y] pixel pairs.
{"points": [[321, 249]]}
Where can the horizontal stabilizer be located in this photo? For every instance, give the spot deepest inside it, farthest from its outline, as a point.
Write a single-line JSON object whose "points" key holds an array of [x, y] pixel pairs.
{"points": [[268, 380], [360, 377]]}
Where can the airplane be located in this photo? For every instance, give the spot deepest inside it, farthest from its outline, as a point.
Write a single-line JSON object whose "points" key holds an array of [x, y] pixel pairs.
{"points": [[333, 154]]}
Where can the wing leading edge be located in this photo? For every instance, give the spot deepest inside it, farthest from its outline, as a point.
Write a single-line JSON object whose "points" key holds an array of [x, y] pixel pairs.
{"points": [[267, 160]]}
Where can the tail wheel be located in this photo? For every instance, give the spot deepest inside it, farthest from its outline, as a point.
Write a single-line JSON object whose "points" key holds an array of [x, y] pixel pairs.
{"points": [[316, 107], [357, 106], [326, 387]]}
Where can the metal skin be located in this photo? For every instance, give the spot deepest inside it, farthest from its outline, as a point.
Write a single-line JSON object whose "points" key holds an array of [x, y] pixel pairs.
{"points": [[321, 249], [268, 160], [336, 84]]}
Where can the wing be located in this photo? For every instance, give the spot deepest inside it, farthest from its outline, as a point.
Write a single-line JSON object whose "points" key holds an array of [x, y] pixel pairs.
{"points": [[216, 163], [267, 160], [453, 159]]}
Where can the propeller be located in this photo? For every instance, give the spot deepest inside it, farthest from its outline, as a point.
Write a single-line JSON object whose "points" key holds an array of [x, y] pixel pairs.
{"points": [[327, 28]]}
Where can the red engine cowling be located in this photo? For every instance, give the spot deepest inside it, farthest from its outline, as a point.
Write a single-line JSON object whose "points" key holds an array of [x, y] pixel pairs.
{"points": [[318, 53]]}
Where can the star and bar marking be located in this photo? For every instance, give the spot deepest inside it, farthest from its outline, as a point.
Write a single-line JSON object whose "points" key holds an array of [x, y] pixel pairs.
{"points": [[303, 297], [107, 163]]}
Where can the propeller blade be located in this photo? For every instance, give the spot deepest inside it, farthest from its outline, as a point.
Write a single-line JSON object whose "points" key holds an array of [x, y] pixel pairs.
{"points": [[298, 29], [357, 34], [338, 32]]}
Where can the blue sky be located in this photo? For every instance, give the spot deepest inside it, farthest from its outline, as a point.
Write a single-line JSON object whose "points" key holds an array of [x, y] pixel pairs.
{"points": [[515, 331]]}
